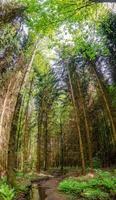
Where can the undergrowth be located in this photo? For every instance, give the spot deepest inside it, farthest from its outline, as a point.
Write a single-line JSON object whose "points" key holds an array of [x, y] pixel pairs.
{"points": [[6, 192], [101, 187]]}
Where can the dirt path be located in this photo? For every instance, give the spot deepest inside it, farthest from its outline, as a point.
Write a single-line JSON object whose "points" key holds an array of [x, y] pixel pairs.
{"points": [[45, 188], [51, 192]]}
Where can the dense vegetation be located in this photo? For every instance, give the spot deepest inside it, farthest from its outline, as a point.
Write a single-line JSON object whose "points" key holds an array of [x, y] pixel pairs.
{"points": [[100, 187], [58, 93]]}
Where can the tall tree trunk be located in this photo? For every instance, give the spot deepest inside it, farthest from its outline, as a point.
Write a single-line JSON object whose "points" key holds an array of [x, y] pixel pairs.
{"points": [[12, 137], [86, 123], [7, 114], [105, 99], [46, 143], [12, 152], [25, 141], [25, 130], [40, 121], [61, 148], [2, 136], [77, 122], [25, 84]]}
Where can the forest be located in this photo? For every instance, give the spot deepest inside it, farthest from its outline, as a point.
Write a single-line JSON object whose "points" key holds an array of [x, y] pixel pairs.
{"points": [[57, 100]]}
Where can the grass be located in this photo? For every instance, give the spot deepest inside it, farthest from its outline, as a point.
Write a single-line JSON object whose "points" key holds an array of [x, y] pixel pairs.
{"points": [[101, 187]]}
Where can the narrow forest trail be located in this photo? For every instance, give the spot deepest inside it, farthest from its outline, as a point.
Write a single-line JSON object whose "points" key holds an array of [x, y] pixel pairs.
{"points": [[48, 189], [43, 188]]}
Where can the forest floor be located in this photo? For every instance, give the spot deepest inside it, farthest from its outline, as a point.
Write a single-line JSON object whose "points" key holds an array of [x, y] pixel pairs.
{"points": [[45, 186], [50, 186], [46, 182], [50, 189]]}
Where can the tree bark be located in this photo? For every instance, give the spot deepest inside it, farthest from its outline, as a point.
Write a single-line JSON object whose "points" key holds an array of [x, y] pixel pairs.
{"points": [[77, 123], [46, 143], [61, 148], [40, 121], [86, 123], [105, 99], [12, 136], [7, 115]]}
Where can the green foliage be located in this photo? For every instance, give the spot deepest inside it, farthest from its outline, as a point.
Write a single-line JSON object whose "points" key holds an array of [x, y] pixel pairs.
{"points": [[22, 187], [20, 174], [94, 194], [102, 186], [8, 37], [46, 16], [112, 93], [6, 192], [22, 182], [96, 162], [72, 186]]}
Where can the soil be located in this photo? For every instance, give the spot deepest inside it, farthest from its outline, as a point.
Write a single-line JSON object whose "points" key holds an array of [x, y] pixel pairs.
{"points": [[51, 192]]}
